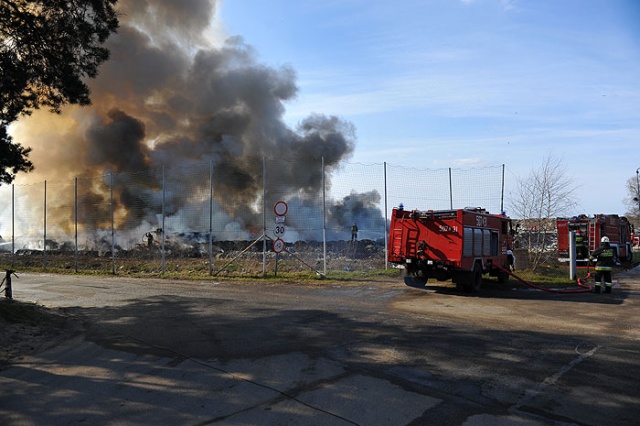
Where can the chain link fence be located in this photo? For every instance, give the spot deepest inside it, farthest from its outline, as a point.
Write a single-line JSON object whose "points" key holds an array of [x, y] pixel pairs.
{"points": [[205, 220]]}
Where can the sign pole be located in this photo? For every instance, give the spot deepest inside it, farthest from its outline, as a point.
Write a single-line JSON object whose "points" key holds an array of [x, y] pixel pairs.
{"points": [[572, 255], [280, 209]]}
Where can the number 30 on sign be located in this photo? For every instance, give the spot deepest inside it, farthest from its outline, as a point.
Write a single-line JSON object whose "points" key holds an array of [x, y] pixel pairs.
{"points": [[279, 230]]}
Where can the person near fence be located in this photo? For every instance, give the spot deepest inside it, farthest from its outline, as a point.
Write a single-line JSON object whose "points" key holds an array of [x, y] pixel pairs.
{"points": [[354, 231], [149, 237], [606, 259]]}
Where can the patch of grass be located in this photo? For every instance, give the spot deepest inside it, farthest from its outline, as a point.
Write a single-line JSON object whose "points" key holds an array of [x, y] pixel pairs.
{"points": [[543, 278]]}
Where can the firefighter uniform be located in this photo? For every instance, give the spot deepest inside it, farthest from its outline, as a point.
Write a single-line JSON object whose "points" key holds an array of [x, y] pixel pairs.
{"points": [[581, 248], [606, 260]]}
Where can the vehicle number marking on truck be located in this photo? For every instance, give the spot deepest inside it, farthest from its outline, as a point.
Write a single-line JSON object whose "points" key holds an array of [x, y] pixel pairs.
{"points": [[481, 221], [447, 228]]}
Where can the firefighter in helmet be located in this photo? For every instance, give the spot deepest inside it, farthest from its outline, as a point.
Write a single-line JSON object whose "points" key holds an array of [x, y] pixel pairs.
{"points": [[606, 259]]}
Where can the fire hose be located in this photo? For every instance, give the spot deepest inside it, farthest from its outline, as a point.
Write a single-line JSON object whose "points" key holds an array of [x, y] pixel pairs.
{"points": [[585, 288]]}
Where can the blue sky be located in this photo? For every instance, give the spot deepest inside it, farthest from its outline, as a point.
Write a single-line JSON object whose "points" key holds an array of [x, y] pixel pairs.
{"points": [[466, 83]]}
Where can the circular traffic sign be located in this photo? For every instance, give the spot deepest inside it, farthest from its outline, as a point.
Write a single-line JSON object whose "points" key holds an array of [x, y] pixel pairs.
{"points": [[278, 245], [280, 208]]}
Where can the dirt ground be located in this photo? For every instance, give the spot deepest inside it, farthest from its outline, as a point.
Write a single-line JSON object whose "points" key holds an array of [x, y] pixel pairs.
{"points": [[332, 351], [27, 328]]}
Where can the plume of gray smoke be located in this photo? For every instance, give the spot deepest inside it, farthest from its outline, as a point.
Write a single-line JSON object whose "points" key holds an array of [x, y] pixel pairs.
{"points": [[361, 208], [168, 97]]}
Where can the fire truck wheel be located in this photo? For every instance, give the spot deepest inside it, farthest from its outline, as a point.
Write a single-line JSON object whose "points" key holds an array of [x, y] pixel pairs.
{"points": [[476, 278], [629, 257], [416, 282], [415, 278], [503, 277]]}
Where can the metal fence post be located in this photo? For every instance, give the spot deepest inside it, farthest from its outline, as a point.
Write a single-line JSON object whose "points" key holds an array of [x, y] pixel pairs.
{"points": [[324, 221], [44, 223], [13, 225], [502, 193], [163, 214], [75, 220], [386, 229], [113, 229], [211, 218], [450, 190], [264, 216]]}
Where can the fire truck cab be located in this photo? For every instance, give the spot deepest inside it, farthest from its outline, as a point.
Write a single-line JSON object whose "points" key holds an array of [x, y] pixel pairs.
{"points": [[589, 231], [460, 245]]}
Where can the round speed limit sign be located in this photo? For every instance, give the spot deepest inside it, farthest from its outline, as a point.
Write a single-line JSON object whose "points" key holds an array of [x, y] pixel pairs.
{"points": [[279, 230], [278, 245]]}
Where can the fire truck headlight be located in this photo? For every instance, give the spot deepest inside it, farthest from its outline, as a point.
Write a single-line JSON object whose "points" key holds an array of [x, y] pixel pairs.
{"points": [[429, 262], [408, 260]]}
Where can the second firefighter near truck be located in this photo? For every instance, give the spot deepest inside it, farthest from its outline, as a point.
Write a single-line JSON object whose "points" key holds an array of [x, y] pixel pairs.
{"points": [[606, 260]]}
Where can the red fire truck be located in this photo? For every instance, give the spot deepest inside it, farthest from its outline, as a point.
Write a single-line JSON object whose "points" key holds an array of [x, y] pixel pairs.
{"points": [[590, 230], [460, 245]]}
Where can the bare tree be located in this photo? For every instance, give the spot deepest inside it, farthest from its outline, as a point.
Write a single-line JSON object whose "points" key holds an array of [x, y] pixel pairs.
{"points": [[546, 193], [632, 201]]}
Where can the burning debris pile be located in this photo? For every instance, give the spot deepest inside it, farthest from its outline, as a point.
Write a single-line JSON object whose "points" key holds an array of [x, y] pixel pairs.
{"points": [[189, 252], [169, 99]]}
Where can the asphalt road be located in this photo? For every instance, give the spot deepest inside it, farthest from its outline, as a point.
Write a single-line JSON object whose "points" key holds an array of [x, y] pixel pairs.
{"points": [[372, 353]]}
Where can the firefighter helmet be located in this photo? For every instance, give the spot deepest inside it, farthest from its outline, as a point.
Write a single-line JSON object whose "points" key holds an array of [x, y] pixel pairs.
{"points": [[604, 240]]}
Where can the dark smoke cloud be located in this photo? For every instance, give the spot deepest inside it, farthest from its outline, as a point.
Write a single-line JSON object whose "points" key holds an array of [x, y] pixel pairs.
{"points": [[361, 208], [168, 97], [129, 153]]}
